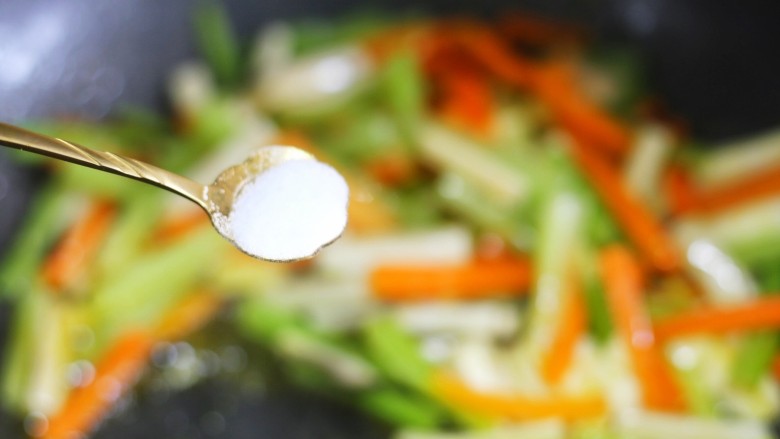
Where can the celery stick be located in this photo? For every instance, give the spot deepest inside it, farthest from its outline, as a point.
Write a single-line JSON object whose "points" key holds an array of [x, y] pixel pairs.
{"points": [[93, 182], [18, 354], [34, 378], [402, 409], [48, 385], [396, 353], [751, 234], [143, 291], [134, 226], [599, 318], [450, 151], [754, 359], [218, 42], [337, 362], [467, 201], [288, 337], [43, 224], [404, 90], [556, 250], [261, 322], [651, 425]]}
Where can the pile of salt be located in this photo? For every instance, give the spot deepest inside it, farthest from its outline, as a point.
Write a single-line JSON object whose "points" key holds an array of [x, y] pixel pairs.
{"points": [[289, 211]]}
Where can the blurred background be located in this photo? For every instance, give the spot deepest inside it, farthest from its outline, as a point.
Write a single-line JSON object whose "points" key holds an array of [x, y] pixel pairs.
{"points": [[713, 65]]}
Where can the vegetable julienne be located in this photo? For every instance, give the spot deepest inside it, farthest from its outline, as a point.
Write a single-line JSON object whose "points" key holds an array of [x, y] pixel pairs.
{"points": [[483, 283]]}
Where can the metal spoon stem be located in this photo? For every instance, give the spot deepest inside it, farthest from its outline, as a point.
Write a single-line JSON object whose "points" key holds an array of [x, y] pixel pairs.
{"points": [[15, 137]]}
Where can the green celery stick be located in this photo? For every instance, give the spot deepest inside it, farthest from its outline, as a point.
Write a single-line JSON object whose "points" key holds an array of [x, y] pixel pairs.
{"points": [[217, 41], [142, 292], [402, 409], [754, 358], [42, 226], [404, 91], [396, 353], [135, 224]]}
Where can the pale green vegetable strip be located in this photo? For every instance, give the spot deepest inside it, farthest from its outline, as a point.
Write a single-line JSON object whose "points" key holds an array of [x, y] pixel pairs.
{"points": [[452, 152], [754, 359], [43, 224], [135, 224], [648, 425], [556, 252], [396, 353], [217, 41], [402, 409], [143, 291], [647, 161], [738, 159], [470, 203], [405, 92], [751, 234]]}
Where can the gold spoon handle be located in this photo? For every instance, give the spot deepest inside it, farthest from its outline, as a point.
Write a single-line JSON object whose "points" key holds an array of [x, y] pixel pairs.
{"points": [[15, 137]]}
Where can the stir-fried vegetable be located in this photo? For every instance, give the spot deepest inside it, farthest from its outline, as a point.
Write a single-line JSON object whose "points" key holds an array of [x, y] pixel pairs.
{"points": [[519, 261]]}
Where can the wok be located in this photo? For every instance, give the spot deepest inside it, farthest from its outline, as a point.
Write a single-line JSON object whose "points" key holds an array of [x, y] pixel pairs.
{"points": [[711, 63]]}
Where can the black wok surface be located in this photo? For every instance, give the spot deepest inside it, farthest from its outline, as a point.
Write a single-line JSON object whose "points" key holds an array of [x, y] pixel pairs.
{"points": [[713, 63]]}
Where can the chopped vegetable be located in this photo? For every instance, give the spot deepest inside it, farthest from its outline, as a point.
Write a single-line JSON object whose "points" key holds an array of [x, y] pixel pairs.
{"points": [[623, 281], [758, 314], [473, 281]]}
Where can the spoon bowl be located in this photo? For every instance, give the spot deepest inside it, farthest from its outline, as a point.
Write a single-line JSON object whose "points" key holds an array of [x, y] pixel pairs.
{"points": [[218, 198]]}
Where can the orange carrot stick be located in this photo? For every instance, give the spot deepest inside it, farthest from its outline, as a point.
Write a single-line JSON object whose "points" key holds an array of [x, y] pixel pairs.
{"points": [[776, 367], [679, 190], [179, 226], [623, 283], [188, 316], [753, 187], [453, 391], [471, 281], [554, 85], [467, 101], [114, 374], [758, 314], [571, 326], [569, 106], [80, 243], [123, 363], [641, 227], [492, 52]]}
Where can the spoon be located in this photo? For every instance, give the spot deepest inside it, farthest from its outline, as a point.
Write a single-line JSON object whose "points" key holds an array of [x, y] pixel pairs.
{"points": [[218, 198]]}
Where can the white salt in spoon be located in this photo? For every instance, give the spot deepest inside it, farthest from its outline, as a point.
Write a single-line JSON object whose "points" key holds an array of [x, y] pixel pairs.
{"points": [[281, 204]]}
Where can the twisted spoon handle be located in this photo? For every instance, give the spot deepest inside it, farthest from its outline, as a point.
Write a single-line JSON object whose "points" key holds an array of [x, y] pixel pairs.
{"points": [[15, 137]]}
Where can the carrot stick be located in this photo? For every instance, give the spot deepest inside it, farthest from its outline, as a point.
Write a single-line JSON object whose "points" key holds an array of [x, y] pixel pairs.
{"points": [[515, 407], [776, 367], [760, 313], [571, 326], [753, 187], [123, 363], [641, 227], [114, 374], [623, 284], [569, 106], [554, 86], [188, 316], [392, 169], [679, 190], [181, 225], [492, 52], [467, 101], [475, 280], [80, 243]]}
